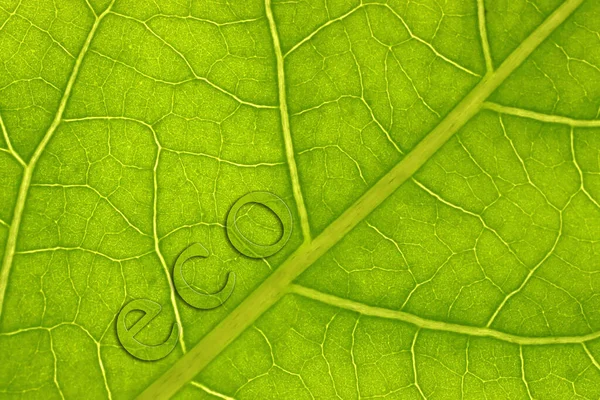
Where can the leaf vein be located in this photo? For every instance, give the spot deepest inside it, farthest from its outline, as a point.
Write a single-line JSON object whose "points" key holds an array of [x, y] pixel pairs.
{"points": [[285, 125], [430, 324], [274, 287], [11, 242]]}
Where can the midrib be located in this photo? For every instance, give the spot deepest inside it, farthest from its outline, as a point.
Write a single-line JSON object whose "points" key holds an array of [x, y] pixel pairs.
{"points": [[276, 285], [13, 233]]}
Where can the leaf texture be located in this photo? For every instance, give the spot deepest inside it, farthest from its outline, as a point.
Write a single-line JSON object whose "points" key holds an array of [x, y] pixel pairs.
{"points": [[440, 161]]}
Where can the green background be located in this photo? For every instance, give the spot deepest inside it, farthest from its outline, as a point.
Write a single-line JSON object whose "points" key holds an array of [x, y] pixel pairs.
{"points": [[441, 159]]}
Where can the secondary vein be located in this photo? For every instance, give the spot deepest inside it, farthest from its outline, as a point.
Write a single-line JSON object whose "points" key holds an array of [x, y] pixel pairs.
{"points": [[534, 115], [485, 44], [11, 242], [275, 286], [425, 323], [285, 125], [11, 149]]}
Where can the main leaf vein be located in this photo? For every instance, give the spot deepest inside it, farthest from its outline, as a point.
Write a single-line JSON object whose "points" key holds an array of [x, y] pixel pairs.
{"points": [[275, 286]]}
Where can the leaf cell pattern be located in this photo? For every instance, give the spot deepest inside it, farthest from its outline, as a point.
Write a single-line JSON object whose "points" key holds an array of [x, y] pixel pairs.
{"points": [[441, 164]]}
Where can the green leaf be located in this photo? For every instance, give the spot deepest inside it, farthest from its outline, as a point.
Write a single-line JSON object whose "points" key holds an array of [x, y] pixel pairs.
{"points": [[440, 161]]}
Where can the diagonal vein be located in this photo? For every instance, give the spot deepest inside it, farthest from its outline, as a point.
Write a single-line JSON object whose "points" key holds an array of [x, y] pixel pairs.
{"points": [[11, 149], [285, 124], [11, 242], [275, 286]]}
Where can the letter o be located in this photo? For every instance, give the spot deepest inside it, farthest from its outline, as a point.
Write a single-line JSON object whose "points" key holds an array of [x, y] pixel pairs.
{"points": [[243, 244]]}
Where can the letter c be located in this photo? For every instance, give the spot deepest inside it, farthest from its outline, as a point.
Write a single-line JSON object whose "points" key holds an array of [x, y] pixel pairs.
{"points": [[190, 295]]}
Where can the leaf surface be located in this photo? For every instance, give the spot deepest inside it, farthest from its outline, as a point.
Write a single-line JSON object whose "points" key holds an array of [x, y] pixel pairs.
{"points": [[440, 160]]}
